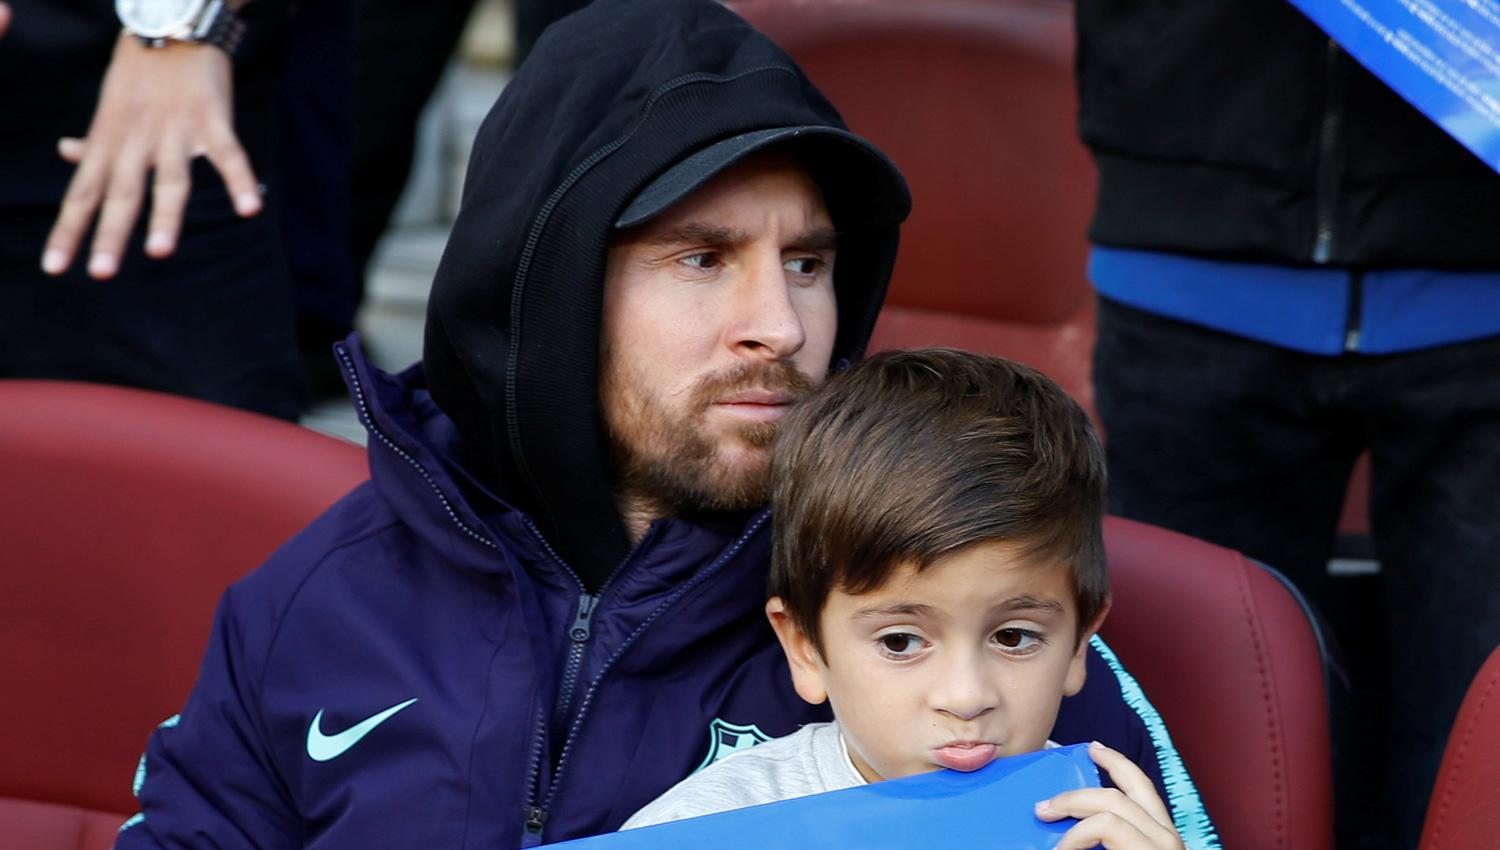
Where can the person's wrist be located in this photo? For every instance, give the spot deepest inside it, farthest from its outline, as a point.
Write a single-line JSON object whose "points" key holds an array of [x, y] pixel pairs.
{"points": [[214, 22]]}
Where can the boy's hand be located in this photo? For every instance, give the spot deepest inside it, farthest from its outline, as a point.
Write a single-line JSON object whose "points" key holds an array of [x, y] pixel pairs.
{"points": [[1130, 816]]}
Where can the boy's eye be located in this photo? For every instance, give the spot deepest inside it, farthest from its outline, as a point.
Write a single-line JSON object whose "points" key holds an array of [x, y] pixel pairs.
{"points": [[803, 265], [900, 645], [1017, 640]]}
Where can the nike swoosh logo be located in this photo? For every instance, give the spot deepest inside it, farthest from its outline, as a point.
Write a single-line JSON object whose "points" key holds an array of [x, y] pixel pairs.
{"points": [[322, 747]]}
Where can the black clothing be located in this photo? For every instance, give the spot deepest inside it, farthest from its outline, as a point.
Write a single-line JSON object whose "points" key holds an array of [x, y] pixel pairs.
{"points": [[310, 186], [1236, 129], [516, 301], [400, 52], [214, 321], [534, 16]]}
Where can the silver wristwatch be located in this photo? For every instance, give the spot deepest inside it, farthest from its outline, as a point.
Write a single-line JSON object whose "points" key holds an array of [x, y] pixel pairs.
{"points": [[156, 22]]}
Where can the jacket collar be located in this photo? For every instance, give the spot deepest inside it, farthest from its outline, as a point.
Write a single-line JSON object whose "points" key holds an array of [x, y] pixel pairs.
{"points": [[416, 470]]}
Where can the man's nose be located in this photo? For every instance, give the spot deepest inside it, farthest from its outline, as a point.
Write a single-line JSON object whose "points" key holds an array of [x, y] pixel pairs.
{"points": [[766, 322], [965, 688]]}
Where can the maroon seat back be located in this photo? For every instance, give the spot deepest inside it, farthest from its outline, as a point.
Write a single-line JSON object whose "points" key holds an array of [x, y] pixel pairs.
{"points": [[1229, 656], [123, 516], [974, 100], [1465, 808]]}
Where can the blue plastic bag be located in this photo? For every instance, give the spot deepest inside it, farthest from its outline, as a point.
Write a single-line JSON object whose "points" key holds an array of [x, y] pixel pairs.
{"points": [[992, 808]]}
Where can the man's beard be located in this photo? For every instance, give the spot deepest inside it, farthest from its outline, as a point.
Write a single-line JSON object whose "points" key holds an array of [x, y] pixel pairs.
{"points": [[667, 458]]}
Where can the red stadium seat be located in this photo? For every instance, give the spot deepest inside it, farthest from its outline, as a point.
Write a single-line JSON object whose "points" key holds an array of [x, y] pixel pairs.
{"points": [[123, 515], [974, 100], [1229, 656], [1465, 808]]}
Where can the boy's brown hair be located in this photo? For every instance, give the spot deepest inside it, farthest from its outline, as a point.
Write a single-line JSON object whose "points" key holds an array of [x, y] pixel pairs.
{"points": [[912, 455]]}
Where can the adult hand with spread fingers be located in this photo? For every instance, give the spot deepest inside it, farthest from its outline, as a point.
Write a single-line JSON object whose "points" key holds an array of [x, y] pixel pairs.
{"points": [[159, 107], [1130, 816]]}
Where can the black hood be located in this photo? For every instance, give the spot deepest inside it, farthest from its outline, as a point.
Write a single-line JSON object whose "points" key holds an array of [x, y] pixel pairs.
{"points": [[609, 98]]}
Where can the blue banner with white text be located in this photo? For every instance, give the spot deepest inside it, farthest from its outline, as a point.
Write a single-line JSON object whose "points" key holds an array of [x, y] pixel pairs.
{"points": [[1442, 56]]}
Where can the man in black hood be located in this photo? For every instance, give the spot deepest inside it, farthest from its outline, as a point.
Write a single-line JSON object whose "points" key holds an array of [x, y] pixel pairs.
{"points": [[547, 605], [594, 139]]}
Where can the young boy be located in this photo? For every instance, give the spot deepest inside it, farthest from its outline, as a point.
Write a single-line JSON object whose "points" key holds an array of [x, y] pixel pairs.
{"points": [[938, 569]]}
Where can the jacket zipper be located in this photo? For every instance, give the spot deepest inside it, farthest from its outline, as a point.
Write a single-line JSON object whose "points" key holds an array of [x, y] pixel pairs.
{"points": [[578, 633], [1354, 318], [1329, 129], [535, 817], [532, 815], [588, 697], [535, 820]]}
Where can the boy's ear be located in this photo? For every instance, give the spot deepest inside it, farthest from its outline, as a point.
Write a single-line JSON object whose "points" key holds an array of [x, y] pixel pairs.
{"points": [[801, 655], [1078, 664]]}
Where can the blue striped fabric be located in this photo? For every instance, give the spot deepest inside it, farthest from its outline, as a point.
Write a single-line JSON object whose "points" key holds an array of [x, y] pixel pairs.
{"points": [[1188, 813]]}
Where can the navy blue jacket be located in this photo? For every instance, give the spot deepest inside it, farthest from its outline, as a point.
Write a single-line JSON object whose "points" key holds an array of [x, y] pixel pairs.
{"points": [[468, 651]]}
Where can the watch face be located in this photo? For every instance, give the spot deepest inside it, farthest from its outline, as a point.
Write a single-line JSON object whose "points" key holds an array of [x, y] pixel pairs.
{"points": [[157, 18]]}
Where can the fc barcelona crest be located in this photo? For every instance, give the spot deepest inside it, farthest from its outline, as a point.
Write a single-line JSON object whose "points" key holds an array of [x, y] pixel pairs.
{"points": [[726, 739]]}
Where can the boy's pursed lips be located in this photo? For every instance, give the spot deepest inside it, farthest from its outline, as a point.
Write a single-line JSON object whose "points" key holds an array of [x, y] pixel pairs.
{"points": [[965, 755]]}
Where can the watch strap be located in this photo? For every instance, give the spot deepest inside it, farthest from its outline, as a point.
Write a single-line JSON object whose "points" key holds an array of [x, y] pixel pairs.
{"points": [[220, 26], [217, 24]]}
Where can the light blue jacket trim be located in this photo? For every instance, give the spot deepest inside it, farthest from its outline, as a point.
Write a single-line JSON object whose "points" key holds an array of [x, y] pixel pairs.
{"points": [[1188, 813], [140, 776]]}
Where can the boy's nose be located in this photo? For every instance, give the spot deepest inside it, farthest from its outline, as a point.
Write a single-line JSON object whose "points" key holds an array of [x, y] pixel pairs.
{"points": [[965, 692], [968, 712]]}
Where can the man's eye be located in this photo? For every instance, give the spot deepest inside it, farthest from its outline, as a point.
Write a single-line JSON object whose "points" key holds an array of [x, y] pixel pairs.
{"points": [[1017, 640], [900, 645], [804, 265], [706, 260]]}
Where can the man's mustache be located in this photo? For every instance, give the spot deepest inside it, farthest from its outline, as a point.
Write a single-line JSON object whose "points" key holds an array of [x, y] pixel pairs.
{"points": [[775, 376]]}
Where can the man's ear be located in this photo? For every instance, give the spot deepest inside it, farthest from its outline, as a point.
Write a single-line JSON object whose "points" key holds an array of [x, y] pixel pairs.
{"points": [[801, 655], [1078, 665]]}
